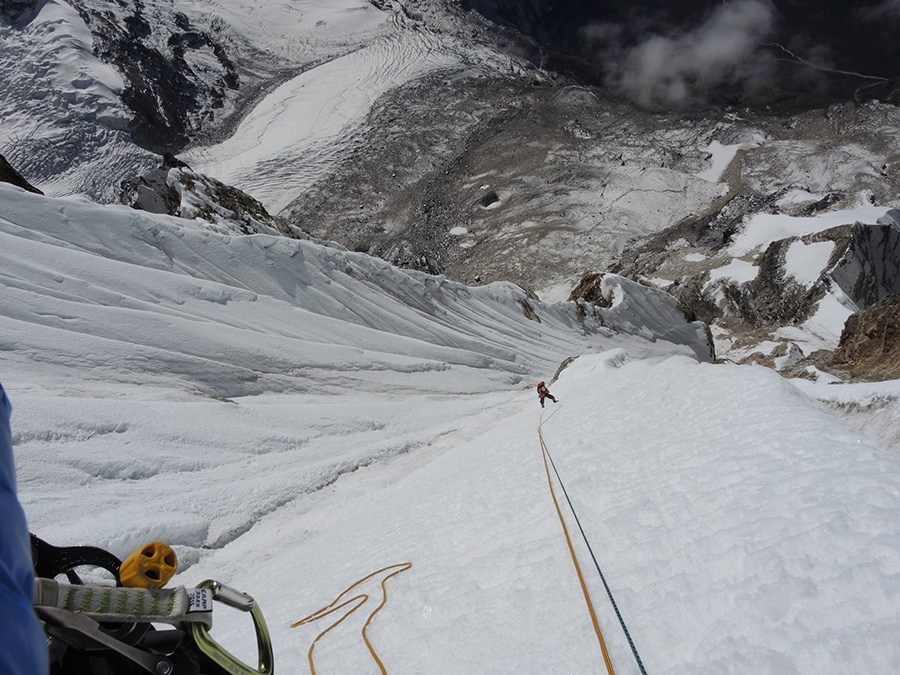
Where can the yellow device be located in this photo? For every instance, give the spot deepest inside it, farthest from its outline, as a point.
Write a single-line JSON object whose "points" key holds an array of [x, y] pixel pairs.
{"points": [[150, 566]]}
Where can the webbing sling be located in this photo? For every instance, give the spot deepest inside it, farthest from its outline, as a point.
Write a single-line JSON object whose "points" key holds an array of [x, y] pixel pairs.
{"points": [[127, 605]]}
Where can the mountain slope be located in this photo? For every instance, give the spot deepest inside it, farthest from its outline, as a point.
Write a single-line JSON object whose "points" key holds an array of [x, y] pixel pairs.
{"points": [[292, 416], [392, 419], [235, 315]]}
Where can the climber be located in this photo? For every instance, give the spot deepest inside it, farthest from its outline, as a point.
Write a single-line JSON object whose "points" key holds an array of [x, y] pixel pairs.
{"points": [[543, 393], [23, 647]]}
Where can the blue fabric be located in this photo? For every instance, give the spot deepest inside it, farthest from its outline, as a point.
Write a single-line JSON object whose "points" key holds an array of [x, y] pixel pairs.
{"points": [[23, 647]]}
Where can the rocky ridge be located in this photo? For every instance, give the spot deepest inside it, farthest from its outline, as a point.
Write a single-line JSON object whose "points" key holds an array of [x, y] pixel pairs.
{"points": [[176, 190], [9, 175], [870, 343]]}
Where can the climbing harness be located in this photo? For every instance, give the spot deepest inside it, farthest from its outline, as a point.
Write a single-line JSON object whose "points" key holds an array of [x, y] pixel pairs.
{"points": [[109, 629], [351, 604], [548, 462]]}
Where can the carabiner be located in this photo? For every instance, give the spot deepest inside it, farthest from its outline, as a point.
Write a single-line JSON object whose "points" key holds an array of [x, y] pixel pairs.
{"points": [[221, 656], [232, 597]]}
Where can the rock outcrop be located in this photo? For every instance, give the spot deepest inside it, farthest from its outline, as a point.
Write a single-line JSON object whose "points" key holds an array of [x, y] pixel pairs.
{"points": [[870, 343], [9, 175], [590, 289], [869, 271], [176, 190]]}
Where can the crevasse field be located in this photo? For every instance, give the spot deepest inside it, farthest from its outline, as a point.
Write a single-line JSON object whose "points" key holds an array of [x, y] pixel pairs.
{"points": [[292, 417]]}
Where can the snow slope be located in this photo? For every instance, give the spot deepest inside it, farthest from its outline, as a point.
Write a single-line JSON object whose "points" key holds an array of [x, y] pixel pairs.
{"points": [[250, 314], [293, 417]]}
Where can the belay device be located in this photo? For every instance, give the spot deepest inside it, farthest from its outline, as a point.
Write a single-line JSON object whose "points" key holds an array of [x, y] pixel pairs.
{"points": [[95, 629]]}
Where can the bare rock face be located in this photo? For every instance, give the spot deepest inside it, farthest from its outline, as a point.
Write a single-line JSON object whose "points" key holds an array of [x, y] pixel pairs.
{"points": [[773, 298], [865, 265], [870, 342], [159, 52], [870, 269], [9, 175], [589, 289]]}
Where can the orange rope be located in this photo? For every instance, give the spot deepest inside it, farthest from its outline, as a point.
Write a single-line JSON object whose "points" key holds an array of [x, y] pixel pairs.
{"points": [[584, 589], [354, 603]]}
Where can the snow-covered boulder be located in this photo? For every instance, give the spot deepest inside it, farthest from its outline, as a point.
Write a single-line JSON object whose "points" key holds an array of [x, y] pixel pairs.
{"points": [[629, 307]]}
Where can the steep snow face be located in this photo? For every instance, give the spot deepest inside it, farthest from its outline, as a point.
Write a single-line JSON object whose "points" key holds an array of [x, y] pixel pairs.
{"points": [[740, 526], [393, 418], [139, 298]]}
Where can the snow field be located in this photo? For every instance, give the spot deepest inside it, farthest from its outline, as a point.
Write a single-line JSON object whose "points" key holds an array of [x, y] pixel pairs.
{"points": [[741, 525], [728, 548], [743, 528]]}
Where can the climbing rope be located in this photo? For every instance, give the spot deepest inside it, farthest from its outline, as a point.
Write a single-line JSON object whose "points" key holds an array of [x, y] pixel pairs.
{"points": [[547, 456], [555, 410], [584, 590], [352, 604]]}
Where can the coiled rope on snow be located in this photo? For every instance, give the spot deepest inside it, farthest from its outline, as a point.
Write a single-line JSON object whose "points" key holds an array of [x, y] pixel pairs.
{"points": [[353, 604]]}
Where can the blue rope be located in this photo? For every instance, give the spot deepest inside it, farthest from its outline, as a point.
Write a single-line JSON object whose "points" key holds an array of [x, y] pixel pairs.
{"points": [[594, 558]]}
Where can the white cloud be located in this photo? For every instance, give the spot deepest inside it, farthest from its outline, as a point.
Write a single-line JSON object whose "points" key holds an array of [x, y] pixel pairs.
{"points": [[675, 69], [888, 9]]}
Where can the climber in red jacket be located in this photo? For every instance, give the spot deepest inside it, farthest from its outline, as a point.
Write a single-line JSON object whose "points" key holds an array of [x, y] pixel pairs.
{"points": [[543, 393]]}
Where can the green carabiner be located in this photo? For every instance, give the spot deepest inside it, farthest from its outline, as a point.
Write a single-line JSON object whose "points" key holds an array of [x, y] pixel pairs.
{"points": [[216, 652]]}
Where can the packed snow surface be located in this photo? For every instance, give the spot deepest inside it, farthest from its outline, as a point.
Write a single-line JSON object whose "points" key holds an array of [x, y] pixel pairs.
{"points": [[293, 418]]}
